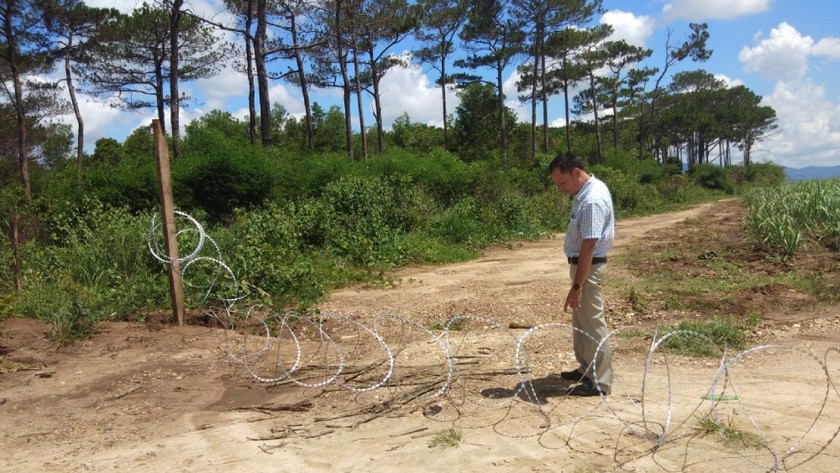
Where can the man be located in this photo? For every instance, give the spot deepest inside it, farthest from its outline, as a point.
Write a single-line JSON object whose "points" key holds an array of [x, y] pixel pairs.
{"points": [[588, 241]]}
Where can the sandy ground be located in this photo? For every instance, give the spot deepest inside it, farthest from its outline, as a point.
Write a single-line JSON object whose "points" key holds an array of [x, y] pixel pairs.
{"points": [[145, 397]]}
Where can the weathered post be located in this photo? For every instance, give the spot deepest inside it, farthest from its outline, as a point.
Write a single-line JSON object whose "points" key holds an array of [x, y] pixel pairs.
{"points": [[167, 216]]}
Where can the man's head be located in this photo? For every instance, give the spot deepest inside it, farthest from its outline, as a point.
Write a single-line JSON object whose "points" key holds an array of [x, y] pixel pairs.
{"points": [[567, 172]]}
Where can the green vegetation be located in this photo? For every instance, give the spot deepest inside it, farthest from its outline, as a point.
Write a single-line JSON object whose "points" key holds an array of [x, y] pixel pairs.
{"points": [[781, 218], [705, 338], [447, 438], [291, 225], [709, 425]]}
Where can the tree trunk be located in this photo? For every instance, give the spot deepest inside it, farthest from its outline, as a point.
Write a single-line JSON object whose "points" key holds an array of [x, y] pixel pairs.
{"points": [[615, 118], [534, 82], [304, 86], [262, 74], [544, 96], [174, 94], [358, 82], [71, 89], [443, 95], [640, 137], [12, 58], [377, 101], [342, 63], [159, 98], [500, 103], [566, 105], [599, 146], [249, 70], [15, 237]]}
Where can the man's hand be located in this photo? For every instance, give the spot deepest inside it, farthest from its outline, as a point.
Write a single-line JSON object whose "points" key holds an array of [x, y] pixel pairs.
{"points": [[573, 299]]}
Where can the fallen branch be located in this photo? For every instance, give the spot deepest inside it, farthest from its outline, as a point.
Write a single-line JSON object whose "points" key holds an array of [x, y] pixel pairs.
{"points": [[296, 407]]}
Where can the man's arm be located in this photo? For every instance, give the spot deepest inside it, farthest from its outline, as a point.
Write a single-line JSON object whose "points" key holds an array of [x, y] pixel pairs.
{"points": [[587, 251]]}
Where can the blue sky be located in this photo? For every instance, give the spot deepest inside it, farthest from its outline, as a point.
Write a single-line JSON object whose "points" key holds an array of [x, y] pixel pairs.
{"points": [[787, 51]]}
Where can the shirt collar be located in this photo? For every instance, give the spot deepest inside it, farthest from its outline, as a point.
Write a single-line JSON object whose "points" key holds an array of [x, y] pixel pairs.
{"points": [[584, 188]]}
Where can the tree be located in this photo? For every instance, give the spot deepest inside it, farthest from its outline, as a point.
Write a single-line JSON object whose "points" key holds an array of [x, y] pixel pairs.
{"points": [[547, 17], [494, 39], [244, 12], [693, 47], [438, 27], [593, 57], [620, 55], [387, 23], [476, 129], [24, 50], [751, 122], [175, 25], [565, 71], [131, 58], [72, 24], [292, 10]]}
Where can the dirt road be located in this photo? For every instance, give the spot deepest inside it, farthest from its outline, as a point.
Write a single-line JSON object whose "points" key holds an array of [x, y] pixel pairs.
{"points": [[138, 397]]}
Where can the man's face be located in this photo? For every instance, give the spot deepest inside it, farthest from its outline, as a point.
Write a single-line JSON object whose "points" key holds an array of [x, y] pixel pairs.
{"points": [[568, 182]]}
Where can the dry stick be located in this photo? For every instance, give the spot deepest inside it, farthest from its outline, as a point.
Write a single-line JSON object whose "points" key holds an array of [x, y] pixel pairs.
{"points": [[135, 388], [296, 407], [267, 448], [412, 431]]}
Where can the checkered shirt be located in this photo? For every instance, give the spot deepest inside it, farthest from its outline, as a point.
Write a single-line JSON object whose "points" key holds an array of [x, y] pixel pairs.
{"points": [[592, 217]]}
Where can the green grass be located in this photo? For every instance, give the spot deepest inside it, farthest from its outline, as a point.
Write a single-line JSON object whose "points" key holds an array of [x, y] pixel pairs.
{"points": [[448, 438], [730, 434], [714, 335], [451, 325]]}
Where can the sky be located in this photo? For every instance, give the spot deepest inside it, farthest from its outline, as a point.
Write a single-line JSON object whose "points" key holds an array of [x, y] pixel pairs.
{"points": [[787, 51]]}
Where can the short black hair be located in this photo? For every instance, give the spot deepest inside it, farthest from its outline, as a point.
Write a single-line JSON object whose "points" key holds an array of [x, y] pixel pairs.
{"points": [[565, 162]]}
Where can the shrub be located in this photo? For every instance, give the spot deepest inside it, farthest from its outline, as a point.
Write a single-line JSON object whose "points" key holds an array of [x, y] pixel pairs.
{"points": [[713, 177], [221, 180]]}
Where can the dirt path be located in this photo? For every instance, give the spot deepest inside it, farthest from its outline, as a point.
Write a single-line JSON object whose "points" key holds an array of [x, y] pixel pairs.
{"points": [[170, 399]]}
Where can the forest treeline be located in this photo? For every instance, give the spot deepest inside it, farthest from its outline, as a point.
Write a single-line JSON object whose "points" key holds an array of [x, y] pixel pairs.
{"points": [[302, 204]]}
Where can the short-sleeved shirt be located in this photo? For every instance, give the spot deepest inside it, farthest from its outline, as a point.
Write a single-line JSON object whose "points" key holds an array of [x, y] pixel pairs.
{"points": [[592, 217]]}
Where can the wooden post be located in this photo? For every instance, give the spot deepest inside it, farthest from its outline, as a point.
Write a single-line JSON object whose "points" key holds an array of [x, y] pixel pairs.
{"points": [[167, 215]]}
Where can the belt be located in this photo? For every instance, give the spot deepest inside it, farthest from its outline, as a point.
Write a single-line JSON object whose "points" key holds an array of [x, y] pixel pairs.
{"points": [[595, 260]]}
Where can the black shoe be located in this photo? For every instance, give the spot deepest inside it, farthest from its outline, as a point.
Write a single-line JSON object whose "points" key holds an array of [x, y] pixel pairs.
{"points": [[585, 389], [573, 375]]}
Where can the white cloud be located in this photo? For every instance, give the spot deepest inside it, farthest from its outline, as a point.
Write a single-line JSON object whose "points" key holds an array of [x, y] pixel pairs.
{"points": [[522, 110], [287, 96], [781, 56], [695, 10], [409, 90], [631, 28], [829, 46], [728, 81], [809, 126], [217, 89], [124, 6]]}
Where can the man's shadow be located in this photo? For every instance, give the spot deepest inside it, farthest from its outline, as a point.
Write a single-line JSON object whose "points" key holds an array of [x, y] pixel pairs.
{"points": [[535, 391]]}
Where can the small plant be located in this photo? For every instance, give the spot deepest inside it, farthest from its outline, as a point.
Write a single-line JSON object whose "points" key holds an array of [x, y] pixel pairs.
{"points": [[453, 325], [447, 438], [637, 301], [730, 434]]}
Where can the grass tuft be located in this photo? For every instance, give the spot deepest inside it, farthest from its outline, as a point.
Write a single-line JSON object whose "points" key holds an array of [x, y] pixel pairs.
{"points": [[730, 434], [447, 438]]}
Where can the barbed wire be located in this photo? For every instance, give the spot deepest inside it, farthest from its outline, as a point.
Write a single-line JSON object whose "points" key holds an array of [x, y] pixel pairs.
{"points": [[321, 349]]}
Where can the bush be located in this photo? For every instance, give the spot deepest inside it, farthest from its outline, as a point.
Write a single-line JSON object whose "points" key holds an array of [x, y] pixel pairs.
{"points": [[95, 265], [220, 180], [712, 177], [629, 196], [758, 174]]}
